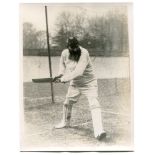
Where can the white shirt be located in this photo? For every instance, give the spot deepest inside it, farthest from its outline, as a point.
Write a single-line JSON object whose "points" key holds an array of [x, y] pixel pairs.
{"points": [[78, 73]]}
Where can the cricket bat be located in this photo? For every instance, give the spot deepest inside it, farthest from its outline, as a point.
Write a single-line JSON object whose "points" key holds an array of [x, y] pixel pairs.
{"points": [[43, 80]]}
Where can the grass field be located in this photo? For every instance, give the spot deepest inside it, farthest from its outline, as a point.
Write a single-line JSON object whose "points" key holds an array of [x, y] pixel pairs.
{"points": [[40, 116]]}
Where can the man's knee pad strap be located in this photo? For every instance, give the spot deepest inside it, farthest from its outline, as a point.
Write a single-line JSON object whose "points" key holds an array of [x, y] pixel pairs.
{"points": [[69, 102]]}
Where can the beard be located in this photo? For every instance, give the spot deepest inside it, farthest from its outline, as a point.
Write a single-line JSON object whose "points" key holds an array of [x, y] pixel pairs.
{"points": [[74, 54]]}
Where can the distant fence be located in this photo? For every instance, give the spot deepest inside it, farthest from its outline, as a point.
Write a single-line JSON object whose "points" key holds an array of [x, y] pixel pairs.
{"points": [[92, 52]]}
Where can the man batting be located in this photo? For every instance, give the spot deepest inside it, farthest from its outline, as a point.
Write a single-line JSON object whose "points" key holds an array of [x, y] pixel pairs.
{"points": [[76, 67]]}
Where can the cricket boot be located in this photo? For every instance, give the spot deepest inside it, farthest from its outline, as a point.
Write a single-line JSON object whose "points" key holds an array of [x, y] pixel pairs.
{"points": [[99, 132], [67, 109]]}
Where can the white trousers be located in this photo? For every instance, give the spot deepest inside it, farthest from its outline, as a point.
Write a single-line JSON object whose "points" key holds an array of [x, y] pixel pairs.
{"points": [[91, 92]]}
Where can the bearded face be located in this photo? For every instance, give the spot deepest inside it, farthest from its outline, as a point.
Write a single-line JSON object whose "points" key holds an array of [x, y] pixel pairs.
{"points": [[75, 53], [74, 49]]}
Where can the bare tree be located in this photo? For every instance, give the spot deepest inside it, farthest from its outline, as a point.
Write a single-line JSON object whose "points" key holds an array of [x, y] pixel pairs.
{"points": [[29, 36], [69, 25], [33, 39]]}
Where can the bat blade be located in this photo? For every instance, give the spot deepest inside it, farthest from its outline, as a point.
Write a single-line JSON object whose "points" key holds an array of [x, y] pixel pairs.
{"points": [[42, 80]]}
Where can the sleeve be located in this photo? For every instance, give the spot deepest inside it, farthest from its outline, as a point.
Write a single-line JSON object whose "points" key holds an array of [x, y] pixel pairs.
{"points": [[61, 65], [80, 68]]}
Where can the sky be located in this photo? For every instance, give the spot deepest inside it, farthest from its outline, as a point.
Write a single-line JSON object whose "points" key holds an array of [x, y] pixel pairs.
{"points": [[35, 13]]}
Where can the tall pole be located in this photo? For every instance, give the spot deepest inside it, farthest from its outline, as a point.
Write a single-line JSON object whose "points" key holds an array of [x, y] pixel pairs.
{"points": [[49, 54]]}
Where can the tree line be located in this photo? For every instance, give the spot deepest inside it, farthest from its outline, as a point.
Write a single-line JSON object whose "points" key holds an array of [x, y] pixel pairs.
{"points": [[105, 35]]}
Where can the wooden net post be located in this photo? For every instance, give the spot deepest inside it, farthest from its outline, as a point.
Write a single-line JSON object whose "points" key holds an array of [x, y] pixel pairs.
{"points": [[49, 54]]}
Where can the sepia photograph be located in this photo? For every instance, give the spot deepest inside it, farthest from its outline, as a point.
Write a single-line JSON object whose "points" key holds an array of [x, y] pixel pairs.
{"points": [[76, 77]]}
